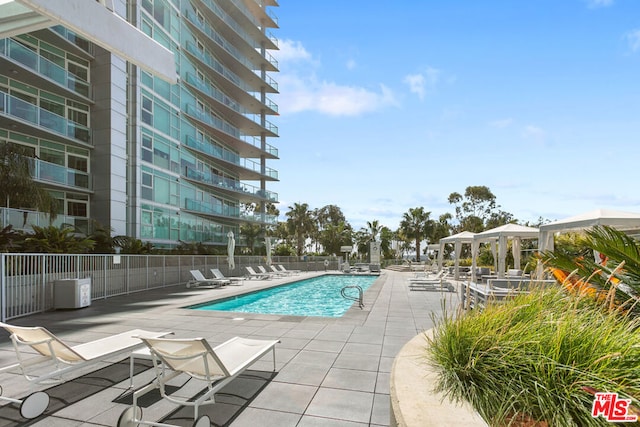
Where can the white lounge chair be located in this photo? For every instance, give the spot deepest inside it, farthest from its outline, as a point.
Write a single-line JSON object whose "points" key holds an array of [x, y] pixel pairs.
{"points": [[199, 279], [253, 275], [284, 270], [432, 285], [270, 273], [64, 359], [195, 358], [234, 280], [279, 272], [422, 276]]}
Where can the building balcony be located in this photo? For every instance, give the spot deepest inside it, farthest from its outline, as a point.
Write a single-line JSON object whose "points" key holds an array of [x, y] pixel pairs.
{"points": [[16, 57], [245, 168], [247, 121], [221, 46], [243, 191], [249, 33], [228, 212], [245, 146], [251, 83], [24, 220], [50, 173], [40, 122]]}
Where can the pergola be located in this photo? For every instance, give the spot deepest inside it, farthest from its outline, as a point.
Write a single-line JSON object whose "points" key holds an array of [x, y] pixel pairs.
{"points": [[502, 234], [457, 240]]}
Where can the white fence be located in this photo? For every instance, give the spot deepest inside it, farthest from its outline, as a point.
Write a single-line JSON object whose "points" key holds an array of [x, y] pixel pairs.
{"points": [[27, 280]]}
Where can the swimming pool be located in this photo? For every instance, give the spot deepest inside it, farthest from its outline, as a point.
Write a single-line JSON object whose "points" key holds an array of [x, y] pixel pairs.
{"points": [[318, 296]]}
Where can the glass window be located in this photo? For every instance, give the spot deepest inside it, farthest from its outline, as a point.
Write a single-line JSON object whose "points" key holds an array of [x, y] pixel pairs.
{"points": [[147, 111], [78, 163], [52, 156]]}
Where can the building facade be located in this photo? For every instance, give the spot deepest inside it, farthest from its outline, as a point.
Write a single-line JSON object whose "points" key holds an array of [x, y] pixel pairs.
{"points": [[123, 148]]}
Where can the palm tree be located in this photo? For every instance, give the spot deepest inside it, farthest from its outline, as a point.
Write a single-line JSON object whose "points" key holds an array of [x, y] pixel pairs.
{"points": [[618, 262], [251, 233], [299, 224], [374, 228], [18, 188], [415, 225]]}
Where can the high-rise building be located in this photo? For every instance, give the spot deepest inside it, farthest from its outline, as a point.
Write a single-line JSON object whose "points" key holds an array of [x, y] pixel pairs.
{"points": [[115, 143]]}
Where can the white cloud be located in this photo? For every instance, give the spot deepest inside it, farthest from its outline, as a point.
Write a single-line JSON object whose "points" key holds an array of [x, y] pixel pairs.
{"points": [[290, 51], [501, 123], [424, 82], [633, 38], [594, 4], [301, 90], [535, 134], [307, 94]]}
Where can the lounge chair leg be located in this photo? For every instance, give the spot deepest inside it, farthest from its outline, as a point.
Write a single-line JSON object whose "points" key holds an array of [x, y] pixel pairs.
{"points": [[203, 421], [34, 405], [130, 417]]}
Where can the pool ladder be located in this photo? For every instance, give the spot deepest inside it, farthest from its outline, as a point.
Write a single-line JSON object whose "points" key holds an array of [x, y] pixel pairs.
{"points": [[359, 298]]}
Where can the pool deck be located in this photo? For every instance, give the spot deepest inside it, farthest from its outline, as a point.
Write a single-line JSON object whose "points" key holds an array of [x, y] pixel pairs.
{"points": [[329, 371]]}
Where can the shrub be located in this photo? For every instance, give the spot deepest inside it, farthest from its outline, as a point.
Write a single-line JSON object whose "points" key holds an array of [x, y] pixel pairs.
{"points": [[539, 356]]}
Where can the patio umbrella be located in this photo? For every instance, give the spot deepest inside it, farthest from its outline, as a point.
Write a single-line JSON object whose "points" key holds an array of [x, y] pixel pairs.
{"points": [[231, 247], [267, 243]]}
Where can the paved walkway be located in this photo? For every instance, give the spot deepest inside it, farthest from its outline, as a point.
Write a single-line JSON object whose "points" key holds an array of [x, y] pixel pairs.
{"points": [[330, 372]]}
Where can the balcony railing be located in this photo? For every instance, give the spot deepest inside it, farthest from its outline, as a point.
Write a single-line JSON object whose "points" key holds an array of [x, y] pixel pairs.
{"points": [[35, 62], [229, 156], [24, 219], [224, 99], [56, 174], [23, 110], [229, 184], [228, 211]]}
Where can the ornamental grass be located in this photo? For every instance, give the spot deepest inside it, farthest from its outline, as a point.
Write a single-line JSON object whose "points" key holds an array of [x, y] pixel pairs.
{"points": [[536, 360]]}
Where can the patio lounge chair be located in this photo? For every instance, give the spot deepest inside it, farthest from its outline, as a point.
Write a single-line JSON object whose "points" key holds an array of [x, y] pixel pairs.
{"points": [[270, 273], [253, 275], [420, 276], [284, 270], [64, 358], [195, 358], [234, 280], [199, 279], [431, 285], [280, 272]]}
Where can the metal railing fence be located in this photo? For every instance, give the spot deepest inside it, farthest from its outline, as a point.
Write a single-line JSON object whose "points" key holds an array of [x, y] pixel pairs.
{"points": [[27, 280]]}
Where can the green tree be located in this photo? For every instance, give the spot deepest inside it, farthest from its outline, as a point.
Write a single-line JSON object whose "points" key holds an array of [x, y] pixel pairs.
{"points": [[252, 233], [474, 209], [334, 236], [132, 246], [18, 189], [417, 226], [299, 224]]}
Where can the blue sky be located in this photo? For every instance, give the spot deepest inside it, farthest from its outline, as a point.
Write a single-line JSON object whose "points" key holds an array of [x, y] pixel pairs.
{"points": [[386, 106]]}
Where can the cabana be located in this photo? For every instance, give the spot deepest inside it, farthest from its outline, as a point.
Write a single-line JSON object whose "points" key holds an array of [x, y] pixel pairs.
{"points": [[628, 222], [502, 234], [457, 240]]}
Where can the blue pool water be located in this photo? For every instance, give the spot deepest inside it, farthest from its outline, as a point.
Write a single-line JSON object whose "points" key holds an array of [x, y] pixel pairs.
{"points": [[318, 296]]}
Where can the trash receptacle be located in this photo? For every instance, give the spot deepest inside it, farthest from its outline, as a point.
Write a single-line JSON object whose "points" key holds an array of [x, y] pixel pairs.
{"points": [[71, 293]]}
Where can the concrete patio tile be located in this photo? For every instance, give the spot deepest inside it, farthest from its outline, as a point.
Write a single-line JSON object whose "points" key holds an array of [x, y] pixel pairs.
{"points": [[357, 361], [381, 413], [297, 373], [361, 348], [253, 417], [308, 421], [383, 382], [350, 379], [342, 404], [316, 358], [328, 346], [285, 397]]}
